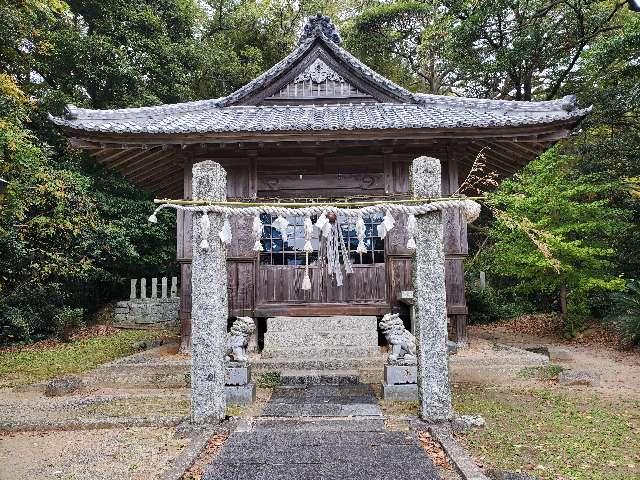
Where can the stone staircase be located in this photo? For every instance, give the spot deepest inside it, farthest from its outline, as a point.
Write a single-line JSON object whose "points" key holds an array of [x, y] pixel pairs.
{"points": [[335, 350]]}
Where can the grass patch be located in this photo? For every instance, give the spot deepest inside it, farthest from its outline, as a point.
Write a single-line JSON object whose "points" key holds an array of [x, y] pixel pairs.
{"points": [[22, 367], [268, 380], [551, 435], [399, 408], [141, 407], [236, 410], [544, 372]]}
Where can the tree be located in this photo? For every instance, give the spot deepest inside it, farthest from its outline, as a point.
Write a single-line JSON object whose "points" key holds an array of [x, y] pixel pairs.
{"points": [[522, 50], [555, 231], [405, 41]]}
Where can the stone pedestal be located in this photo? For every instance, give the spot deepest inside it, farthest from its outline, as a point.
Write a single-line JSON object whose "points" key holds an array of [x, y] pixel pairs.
{"points": [[238, 387], [400, 382]]}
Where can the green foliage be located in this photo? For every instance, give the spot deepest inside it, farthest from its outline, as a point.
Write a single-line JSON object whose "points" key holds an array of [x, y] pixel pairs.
{"points": [[404, 40], [544, 373], [496, 46], [555, 227], [65, 320], [626, 312], [268, 380], [491, 304]]}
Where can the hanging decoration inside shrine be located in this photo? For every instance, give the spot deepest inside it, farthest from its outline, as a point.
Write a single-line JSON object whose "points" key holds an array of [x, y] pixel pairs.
{"points": [[336, 251]]}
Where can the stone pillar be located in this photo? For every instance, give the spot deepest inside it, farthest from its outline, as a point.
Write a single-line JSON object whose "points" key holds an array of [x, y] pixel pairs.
{"points": [[143, 288], [209, 301], [434, 390], [134, 285], [164, 287], [154, 287]]}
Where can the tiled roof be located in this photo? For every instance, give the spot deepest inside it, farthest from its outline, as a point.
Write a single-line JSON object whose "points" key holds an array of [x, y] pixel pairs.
{"points": [[210, 118], [228, 114]]}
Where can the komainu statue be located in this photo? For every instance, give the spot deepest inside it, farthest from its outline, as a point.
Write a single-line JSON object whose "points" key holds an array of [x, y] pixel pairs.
{"points": [[238, 338], [401, 341]]}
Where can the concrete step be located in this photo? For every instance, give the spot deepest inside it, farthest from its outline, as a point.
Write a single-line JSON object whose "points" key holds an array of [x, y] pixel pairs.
{"points": [[317, 364], [319, 377], [334, 323], [348, 351], [280, 340]]}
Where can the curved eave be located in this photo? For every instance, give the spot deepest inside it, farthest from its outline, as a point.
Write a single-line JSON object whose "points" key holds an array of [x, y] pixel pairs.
{"points": [[156, 162], [550, 131]]}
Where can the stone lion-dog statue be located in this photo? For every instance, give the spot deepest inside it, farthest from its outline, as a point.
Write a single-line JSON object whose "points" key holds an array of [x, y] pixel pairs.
{"points": [[238, 338], [401, 341]]}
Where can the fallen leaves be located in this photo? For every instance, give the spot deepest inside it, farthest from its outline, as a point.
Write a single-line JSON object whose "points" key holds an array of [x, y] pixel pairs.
{"points": [[196, 472], [434, 450]]}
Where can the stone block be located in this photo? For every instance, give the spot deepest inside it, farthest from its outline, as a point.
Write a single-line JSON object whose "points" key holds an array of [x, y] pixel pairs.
{"points": [[400, 393], [400, 374], [560, 355], [237, 375], [577, 378], [123, 304], [63, 386], [240, 394]]}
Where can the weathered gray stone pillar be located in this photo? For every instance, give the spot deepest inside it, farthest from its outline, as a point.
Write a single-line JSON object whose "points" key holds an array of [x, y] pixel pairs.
{"points": [[209, 308], [434, 390]]}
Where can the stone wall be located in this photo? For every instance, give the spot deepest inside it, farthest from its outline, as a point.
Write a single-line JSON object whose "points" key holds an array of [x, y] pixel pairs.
{"points": [[149, 308]]}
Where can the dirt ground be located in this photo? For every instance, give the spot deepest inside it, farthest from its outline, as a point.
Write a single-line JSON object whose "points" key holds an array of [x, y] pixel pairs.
{"points": [[618, 371], [127, 454], [487, 375]]}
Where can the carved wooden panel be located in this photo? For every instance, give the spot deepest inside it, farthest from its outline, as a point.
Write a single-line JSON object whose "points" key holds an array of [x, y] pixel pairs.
{"points": [[320, 185]]}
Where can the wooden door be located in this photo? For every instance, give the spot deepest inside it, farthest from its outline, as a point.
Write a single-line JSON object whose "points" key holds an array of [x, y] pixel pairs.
{"points": [[282, 268]]}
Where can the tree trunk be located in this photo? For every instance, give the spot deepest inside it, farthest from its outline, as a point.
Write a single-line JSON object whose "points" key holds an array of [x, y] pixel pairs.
{"points": [[563, 300]]}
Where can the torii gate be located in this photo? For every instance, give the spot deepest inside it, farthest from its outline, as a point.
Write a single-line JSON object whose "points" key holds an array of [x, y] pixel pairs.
{"points": [[210, 303]]}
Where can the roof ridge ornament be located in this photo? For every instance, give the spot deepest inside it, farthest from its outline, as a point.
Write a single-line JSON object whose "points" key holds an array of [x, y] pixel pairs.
{"points": [[320, 24]]}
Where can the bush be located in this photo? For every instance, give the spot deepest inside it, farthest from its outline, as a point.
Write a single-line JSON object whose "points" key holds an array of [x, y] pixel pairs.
{"points": [[65, 320], [491, 304], [625, 316]]}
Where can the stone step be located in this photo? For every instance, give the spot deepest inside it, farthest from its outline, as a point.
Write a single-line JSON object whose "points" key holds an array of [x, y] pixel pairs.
{"points": [[275, 340], [334, 323], [348, 351], [319, 377], [317, 364]]}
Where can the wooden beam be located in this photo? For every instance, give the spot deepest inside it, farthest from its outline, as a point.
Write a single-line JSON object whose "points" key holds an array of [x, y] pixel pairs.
{"points": [[172, 189], [118, 154], [142, 153], [149, 173], [150, 161]]}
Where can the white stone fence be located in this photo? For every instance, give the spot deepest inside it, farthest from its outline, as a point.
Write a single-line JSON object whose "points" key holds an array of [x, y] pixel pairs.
{"points": [[148, 307]]}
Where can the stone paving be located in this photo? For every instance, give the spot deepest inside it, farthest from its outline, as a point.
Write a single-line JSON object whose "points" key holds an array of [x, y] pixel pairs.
{"points": [[321, 432]]}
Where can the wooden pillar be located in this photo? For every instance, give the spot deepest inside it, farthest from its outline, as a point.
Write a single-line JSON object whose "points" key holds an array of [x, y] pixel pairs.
{"points": [[456, 251], [184, 252]]}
